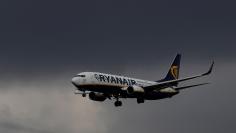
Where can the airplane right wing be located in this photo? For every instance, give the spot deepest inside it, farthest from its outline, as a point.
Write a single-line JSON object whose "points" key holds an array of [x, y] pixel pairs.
{"points": [[164, 84]]}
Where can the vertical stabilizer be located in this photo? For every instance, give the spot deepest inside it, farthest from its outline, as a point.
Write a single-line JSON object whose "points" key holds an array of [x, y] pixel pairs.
{"points": [[173, 72]]}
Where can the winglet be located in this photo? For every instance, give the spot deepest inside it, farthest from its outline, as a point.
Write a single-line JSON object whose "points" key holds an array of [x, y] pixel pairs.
{"points": [[210, 70]]}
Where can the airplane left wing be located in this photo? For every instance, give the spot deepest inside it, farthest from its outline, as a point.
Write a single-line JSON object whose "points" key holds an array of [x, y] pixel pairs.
{"points": [[79, 92], [164, 84]]}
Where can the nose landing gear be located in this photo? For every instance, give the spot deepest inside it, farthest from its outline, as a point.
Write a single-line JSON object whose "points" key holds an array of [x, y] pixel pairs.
{"points": [[78, 92], [83, 94], [118, 103]]}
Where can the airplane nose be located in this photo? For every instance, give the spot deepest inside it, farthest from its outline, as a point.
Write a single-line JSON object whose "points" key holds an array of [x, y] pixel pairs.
{"points": [[74, 79]]}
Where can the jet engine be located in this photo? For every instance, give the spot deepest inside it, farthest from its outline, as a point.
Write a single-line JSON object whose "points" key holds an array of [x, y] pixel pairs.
{"points": [[97, 96], [135, 90]]}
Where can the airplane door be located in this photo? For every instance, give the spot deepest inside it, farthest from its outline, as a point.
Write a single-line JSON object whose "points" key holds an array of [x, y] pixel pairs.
{"points": [[84, 81]]}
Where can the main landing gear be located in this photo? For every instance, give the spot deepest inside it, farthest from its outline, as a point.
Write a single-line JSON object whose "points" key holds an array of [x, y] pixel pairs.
{"points": [[118, 103], [140, 100]]}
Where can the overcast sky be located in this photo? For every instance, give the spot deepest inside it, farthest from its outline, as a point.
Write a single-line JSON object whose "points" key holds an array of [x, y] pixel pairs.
{"points": [[45, 43]]}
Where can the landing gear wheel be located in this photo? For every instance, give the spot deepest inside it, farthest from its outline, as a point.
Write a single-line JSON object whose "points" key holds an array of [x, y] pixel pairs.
{"points": [[118, 103], [140, 100], [84, 95]]}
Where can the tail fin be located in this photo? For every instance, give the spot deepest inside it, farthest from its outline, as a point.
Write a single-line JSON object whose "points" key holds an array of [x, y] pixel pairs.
{"points": [[173, 72]]}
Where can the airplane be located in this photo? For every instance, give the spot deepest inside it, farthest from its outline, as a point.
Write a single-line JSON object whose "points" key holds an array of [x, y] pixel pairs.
{"points": [[101, 86]]}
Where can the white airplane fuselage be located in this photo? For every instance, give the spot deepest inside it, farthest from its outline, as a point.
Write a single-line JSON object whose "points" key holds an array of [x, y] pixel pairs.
{"points": [[114, 84]]}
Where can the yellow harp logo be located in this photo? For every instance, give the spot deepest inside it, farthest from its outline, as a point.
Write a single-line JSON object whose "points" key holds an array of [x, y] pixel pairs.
{"points": [[174, 71]]}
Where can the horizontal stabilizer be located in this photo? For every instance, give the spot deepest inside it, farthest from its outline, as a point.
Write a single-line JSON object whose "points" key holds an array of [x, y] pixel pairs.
{"points": [[185, 87]]}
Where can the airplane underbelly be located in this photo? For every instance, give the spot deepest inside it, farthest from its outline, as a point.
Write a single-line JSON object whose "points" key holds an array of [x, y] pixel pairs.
{"points": [[100, 88]]}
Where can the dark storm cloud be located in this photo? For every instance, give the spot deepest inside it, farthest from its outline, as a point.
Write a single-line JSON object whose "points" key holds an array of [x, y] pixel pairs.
{"points": [[44, 43], [58, 33]]}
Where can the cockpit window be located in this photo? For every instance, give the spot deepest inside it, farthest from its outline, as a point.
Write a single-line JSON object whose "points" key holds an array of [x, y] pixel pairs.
{"points": [[80, 76]]}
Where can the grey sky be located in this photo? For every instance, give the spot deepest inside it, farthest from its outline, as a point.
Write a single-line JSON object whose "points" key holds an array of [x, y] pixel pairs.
{"points": [[44, 43]]}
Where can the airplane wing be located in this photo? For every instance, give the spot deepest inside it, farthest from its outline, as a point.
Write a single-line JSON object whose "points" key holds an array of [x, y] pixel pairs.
{"points": [[185, 87], [164, 84], [79, 92]]}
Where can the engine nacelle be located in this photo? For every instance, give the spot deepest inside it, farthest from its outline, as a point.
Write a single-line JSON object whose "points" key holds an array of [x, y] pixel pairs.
{"points": [[97, 96], [135, 90]]}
